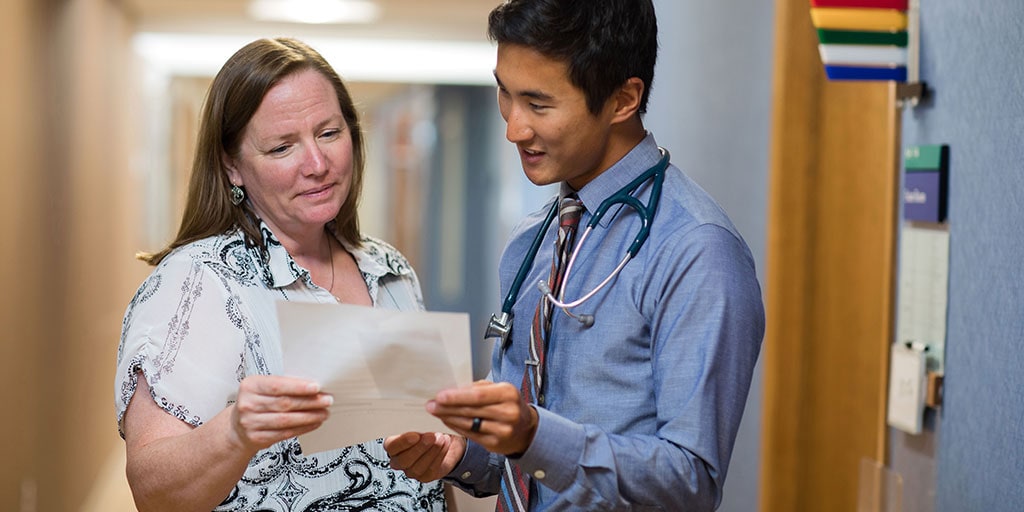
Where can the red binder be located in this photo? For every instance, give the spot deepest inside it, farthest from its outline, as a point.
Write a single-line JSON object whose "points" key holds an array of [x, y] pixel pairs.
{"points": [[900, 5]]}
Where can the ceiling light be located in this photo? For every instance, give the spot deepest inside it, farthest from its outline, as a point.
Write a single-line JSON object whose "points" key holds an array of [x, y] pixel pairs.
{"points": [[360, 60], [315, 11]]}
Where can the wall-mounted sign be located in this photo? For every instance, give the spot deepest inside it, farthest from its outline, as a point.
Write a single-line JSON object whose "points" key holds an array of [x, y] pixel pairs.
{"points": [[926, 183]]}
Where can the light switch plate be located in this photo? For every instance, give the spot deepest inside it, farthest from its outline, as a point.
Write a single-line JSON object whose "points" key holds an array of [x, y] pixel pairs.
{"points": [[906, 388]]}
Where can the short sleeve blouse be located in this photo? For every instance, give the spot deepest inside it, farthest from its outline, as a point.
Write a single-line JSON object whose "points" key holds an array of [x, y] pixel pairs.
{"points": [[205, 319]]}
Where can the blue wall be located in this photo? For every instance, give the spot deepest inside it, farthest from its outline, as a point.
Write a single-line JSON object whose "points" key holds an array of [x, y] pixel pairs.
{"points": [[973, 59], [711, 107]]}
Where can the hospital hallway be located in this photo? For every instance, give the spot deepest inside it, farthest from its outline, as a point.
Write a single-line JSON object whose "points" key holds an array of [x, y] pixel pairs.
{"points": [[99, 109]]}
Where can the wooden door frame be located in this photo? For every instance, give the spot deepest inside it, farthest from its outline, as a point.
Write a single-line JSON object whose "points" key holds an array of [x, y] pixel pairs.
{"points": [[829, 292]]}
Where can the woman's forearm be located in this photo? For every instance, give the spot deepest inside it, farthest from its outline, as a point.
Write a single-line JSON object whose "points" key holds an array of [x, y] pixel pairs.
{"points": [[173, 466], [193, 470]]}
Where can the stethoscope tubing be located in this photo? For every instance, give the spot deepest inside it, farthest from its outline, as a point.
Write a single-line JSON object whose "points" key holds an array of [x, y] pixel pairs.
{"points": [[517, 283], [625, 197], [500, 324], [568, 271]]}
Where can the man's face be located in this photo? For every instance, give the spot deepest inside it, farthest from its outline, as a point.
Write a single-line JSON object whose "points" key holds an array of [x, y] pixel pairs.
{"points": [[547, 118]]}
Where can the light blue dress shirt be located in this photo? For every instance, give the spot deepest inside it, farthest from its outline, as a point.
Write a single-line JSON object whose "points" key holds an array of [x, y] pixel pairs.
{"points": [[641, 409]]}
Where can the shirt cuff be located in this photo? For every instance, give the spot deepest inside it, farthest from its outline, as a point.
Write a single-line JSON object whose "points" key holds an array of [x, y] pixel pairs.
{"points": [[473, 470], [553, 457]]}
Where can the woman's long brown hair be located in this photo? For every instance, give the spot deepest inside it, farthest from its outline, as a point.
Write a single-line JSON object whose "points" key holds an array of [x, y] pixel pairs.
{"points": [[235, 94]]}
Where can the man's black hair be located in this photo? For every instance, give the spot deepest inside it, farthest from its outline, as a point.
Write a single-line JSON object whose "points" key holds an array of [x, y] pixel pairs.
{"points": [[603, 42]]}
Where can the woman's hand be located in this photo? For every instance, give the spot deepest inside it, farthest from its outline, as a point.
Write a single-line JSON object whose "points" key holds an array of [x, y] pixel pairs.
{"points": [[272, 408]]}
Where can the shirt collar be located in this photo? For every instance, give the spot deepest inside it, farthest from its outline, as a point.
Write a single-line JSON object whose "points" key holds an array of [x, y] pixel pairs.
{"points": [[374, 258], [279, 269], [378, 259], [641, 158]]}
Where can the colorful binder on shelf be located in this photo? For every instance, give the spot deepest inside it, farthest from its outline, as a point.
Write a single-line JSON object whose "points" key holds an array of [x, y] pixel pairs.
{"points": [[862, 39]]}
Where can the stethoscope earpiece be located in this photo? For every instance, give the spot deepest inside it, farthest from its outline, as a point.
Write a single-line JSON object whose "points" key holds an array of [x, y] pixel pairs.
{"points": [[586, 320]]}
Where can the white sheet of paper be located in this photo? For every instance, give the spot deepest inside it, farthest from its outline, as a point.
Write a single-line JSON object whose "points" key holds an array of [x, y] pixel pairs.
{"points": [[381, 366]]}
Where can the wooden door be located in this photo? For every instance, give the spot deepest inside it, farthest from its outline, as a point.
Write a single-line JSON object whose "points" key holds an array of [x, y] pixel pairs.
{"points": [[830, 251]]}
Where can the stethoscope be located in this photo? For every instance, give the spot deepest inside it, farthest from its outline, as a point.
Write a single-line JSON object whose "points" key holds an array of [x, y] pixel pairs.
{"points": [[501, 323]]}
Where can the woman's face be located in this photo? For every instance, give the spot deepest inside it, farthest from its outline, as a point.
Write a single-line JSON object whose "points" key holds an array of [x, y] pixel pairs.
{"points": [[295, 156]]}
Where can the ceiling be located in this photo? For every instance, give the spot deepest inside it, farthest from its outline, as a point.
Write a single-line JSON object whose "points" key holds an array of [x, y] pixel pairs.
{"points": [[449, 20], [412, 41]]}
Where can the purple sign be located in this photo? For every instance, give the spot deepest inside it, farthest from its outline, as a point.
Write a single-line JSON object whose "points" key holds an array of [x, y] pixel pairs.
{"points": [[922, 200]]}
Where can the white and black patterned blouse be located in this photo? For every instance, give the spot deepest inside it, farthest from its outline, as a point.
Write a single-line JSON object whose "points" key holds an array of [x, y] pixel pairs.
{"points": [[205, 318]]}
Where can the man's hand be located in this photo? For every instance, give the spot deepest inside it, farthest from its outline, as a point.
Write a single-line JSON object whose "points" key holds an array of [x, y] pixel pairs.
{"points": [[506, 426], [425, 457], [507, 423]]}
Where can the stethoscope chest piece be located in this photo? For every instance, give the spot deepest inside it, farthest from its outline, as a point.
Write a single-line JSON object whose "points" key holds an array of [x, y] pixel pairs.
{"points": [[499, 327]]}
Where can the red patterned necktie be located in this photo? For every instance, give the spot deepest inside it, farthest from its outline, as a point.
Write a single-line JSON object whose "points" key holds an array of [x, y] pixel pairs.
{"points": [[515, 487]]}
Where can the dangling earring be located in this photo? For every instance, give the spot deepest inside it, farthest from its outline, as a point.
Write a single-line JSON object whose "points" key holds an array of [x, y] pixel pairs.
{"points": [[237, 195]]}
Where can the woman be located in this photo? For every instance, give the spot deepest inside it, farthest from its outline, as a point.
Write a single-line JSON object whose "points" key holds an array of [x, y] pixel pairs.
{"points": [[270, 215]]}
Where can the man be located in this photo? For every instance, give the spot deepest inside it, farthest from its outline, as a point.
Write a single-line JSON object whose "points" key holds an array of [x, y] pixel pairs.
{"points": [[632, 399]]}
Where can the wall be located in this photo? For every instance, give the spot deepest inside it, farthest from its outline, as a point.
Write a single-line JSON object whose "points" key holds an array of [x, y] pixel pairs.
{"points": [[461, 255], [21, 307], [67, 255], [95, 239], [970, 58], [710, 106]]}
